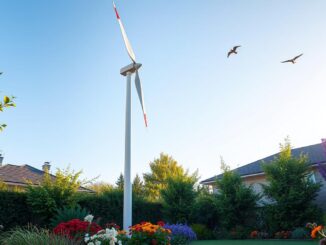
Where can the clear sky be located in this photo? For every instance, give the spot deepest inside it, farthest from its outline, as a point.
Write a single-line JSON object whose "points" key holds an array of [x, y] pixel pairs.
{"points": [[61, 59]]}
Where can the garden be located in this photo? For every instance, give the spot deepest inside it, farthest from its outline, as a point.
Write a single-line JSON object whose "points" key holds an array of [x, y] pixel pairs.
{"points": [[177, 211]]}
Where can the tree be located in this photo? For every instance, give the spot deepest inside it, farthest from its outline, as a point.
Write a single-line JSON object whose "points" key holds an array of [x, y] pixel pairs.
{"points": [[138, 186], [53, 193], [120, 182], [162, 169], [236, 202], [178, 197], [290, 191]]}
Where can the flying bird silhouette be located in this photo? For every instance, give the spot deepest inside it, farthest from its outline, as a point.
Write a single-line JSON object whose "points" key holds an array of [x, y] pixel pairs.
{"points": [[233, 50], [1, 73], [292, 60]]}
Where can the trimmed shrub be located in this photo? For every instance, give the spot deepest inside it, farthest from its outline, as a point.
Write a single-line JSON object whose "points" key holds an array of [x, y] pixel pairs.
{"points": [[14, 210], [108, 206]]}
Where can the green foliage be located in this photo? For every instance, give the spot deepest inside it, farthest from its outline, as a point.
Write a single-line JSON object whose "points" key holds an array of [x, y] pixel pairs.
{"points": [[177, 198], [290, 191], [138, 187], [300, 233], [205, 210], [35, 236], [143, 209], [100, 187], [13, 209], [108, 206], [202, 232], [68, 213], [236, 202], [239, 232], [53, 194], [6, 103], [162, 169], [120, 182]]}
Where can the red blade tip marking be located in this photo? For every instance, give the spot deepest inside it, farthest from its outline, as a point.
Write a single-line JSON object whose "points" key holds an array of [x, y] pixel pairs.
{"points": [[145, 118], [116, 11]]}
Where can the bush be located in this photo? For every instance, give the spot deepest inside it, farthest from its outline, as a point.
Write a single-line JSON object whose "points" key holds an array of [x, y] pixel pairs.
{"points": [[68, 213], [13, 210], [32, 235], [181, 234], [202, 232], [53, 194], [108, 207], [300, 233], [205, 211], [177, 199]]}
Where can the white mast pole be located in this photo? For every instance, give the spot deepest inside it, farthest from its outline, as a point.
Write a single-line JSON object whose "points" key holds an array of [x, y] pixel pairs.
{"points": [[127, 193]]}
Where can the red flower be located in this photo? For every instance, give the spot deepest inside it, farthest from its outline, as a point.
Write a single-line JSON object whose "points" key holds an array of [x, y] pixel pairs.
{"points": [[76, 228], [161, 223]]}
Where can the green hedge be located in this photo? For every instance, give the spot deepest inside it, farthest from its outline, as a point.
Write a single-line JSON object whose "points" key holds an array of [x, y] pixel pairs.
{"points": [[14, 210], [109, 208]]}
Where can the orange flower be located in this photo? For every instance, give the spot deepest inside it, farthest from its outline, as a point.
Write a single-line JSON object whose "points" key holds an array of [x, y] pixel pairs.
{"points": [[315, 231]]}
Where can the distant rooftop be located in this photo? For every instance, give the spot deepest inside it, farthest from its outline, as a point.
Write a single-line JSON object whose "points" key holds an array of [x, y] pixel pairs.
{"points": [[20, 175], [316, 154]]}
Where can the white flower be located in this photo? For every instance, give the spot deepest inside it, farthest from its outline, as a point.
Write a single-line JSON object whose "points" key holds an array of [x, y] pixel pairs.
{"points": [[119, 242], [97, 243], [91, 243], [89, 218]]}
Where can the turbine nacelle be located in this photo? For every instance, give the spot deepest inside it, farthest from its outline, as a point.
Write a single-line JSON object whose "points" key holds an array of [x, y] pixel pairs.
{"points": [[132, 68]]}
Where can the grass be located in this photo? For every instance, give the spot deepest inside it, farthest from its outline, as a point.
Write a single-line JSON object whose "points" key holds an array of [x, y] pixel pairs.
{"points": [[255, 242]]}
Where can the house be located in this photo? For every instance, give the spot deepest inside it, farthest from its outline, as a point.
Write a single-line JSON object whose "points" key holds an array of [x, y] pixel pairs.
{"points": [[253, 174], [17, 176]]}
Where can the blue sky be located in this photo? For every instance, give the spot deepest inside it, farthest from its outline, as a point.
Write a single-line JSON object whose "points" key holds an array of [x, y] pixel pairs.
{"points": [[61, 59]]}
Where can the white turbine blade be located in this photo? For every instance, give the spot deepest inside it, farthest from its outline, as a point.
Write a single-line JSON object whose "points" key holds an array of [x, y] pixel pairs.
{"points": [[140, 95], [124, 36]]}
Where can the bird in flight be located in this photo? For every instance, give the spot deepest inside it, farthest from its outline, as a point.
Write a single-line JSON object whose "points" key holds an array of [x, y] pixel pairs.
{"points": [[1, 73], [233, 50], [292, 60]]}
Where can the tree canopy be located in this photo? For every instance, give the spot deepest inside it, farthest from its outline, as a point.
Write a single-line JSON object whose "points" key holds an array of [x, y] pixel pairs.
{"points": [[161, 169]]}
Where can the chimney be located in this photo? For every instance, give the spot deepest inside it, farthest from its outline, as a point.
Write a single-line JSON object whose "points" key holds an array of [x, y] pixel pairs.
{"points": [[1, 159], [46, 166]]}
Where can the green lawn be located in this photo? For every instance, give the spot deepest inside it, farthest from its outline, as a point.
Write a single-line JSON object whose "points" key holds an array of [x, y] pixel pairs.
{"points": [[255, 242]]}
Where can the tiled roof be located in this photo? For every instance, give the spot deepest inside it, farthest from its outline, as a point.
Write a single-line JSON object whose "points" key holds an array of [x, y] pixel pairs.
{"points": [[316, 154], [20, 175]]}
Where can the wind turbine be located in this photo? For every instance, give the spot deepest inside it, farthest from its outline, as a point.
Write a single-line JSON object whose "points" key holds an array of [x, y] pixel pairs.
{"points": [[127, 71]]}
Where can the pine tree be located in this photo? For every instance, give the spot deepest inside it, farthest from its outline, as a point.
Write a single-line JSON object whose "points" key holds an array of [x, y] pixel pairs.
{"points": [[120, 182], [290, 191]]}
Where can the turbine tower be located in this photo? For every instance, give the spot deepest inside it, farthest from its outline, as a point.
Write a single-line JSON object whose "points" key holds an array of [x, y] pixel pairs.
{"points": [[127, 71]]}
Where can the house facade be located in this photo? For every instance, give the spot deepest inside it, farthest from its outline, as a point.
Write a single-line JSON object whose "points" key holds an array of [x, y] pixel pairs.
{"points": [[253, 174]]}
